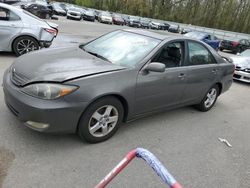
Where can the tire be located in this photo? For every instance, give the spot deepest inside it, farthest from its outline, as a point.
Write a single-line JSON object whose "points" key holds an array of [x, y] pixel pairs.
{"points": [[221, 49], [204, 105], [24, 44], [97, 115]]}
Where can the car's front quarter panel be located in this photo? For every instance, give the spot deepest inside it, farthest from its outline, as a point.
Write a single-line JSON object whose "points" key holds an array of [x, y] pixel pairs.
{"points": [[59, 114], [121, 83]]}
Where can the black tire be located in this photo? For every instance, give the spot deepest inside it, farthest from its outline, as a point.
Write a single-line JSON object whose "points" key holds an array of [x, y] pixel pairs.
{"points": [[87, 117], [221, 49], [24, 39], [202, 105]]}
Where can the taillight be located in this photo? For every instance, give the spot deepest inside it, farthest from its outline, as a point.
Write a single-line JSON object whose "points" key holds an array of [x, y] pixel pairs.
{"points": [[235, 44], [51, 31]]}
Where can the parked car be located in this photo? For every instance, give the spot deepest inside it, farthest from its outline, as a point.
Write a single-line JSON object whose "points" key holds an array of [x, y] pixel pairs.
{"points": [[185, 31], [75, 13], [234, 45], [125, 18], [91, 88], [242, 66], [145, 22], [105, 17], [9, 1], [174, 29], [22, 32], [154, 25], [58, 10], [41, 10], [134, 21], [210, 39], [164, 26], [117, 19], [89, 15]]}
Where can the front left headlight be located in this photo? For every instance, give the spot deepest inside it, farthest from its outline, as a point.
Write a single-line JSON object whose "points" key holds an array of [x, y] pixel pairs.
{"points": [[48, 90]]}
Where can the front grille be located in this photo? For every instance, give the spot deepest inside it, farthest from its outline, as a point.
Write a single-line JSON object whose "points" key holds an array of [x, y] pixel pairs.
{"points": [[17, 78], [237, 76], [74, 14]]}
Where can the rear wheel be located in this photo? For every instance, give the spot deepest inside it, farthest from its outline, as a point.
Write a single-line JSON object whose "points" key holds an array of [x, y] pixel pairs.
{"points": [[209, 100], [101, 120], [25, 44]]}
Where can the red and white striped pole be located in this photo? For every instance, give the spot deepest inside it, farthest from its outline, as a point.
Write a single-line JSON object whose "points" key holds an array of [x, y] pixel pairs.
{"points": [[150, 159]]}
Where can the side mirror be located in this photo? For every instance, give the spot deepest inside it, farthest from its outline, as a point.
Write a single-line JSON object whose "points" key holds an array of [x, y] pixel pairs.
{"points": [[155, 67]]}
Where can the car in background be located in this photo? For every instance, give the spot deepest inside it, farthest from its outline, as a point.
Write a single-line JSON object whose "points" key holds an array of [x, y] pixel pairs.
{"points": [[234, 45], [117, 19], [10, 2], [174, 29], [74, 13], [58, 10], [125, 18], [22, 32], [154, 25], [164, 26], [134, 21], [40, 9], [105, 17], [185, 30], [210, 39], [88, 15], [145, 22], [242, 66], [73, 89]]}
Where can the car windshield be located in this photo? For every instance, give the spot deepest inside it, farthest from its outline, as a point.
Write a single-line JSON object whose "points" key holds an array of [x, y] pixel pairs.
{"points": [[195, 35], [246, 53], [145, 20], [106, 14], [134, 18], [89, 12], [121, 47], [75, 9]]}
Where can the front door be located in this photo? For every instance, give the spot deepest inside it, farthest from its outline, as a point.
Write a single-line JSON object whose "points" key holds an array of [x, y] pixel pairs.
{"points": [[162, 90]]}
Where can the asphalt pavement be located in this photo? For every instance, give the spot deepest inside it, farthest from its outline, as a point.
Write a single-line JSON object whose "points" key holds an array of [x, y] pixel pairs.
{"points": [[185, 140]]}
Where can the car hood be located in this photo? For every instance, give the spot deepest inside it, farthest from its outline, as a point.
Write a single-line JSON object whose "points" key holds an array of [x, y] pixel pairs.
{"points": [[59, 65], [243, 62]]}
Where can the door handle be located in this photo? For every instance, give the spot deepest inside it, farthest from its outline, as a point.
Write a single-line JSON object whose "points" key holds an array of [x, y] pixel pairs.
{"points": [[214, 71], [13, 25], [182, 76]]}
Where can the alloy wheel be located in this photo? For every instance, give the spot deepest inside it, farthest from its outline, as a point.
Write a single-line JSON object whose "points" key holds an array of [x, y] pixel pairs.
{"points": [[210, 98], [26, 45], [103, 121]]}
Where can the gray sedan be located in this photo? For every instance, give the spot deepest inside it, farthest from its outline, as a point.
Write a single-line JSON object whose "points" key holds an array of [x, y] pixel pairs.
{"points": [[126, 74], [22, 32]]}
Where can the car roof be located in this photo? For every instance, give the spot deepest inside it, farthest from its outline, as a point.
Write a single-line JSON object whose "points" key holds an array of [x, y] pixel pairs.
{"points": [[153, 34]]}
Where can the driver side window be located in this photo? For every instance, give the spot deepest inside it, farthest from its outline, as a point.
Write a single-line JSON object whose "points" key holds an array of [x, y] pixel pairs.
{"points": [[171, 55]]}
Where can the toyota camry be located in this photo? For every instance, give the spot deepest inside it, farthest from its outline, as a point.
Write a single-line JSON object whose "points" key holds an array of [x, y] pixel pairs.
{"points": [[92, 88]]}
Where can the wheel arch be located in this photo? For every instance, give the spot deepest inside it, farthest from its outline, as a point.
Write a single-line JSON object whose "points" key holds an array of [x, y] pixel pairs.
{"points": [[25, 35], [115, 95], [220, 87]]}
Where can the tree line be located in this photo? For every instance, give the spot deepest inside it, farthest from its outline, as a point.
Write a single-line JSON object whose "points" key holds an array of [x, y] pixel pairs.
{"points": [[231, 15]]}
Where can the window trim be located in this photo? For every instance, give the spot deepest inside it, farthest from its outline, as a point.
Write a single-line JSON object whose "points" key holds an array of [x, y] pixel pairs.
{"points": [[183, 51], [10, 11], [187, 63]]}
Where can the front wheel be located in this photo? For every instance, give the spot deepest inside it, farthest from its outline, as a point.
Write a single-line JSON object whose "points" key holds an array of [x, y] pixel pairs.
{"points": [[24, 45], [101, 120], [209, 100]]}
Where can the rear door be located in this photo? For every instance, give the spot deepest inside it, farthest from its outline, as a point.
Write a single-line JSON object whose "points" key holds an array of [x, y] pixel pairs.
{"points": [[10, 26], [202, 71]]}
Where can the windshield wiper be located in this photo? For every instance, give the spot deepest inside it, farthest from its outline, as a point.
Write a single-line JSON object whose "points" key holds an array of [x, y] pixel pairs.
{"points": [[97, 55]]}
